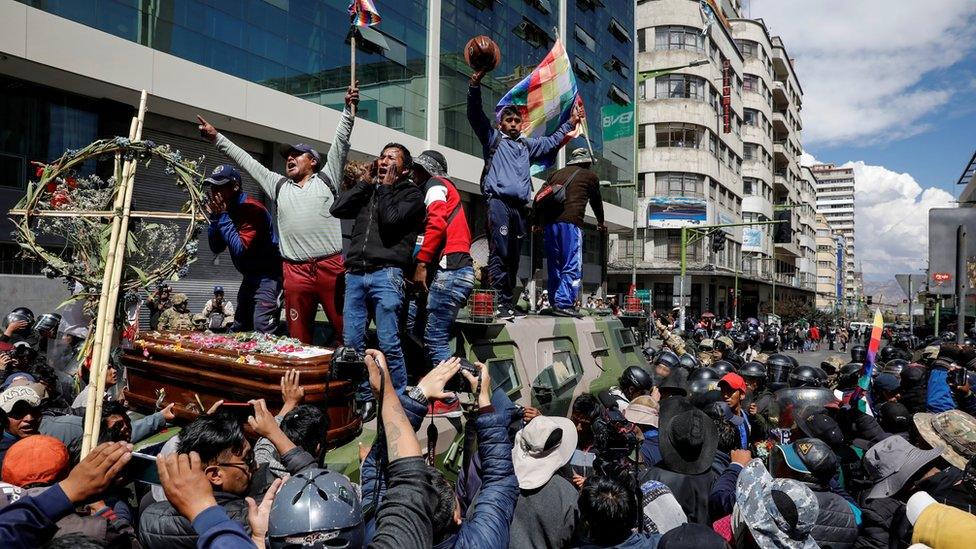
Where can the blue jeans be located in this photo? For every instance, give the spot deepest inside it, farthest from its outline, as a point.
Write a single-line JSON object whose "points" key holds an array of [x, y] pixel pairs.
{"points": [[258, 305], [380, 294], [564, 262], [448, 293]]}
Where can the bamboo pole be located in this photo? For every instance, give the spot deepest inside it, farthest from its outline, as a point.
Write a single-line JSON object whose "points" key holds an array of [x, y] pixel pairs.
{"points": [[106, 213], [108, 301]]}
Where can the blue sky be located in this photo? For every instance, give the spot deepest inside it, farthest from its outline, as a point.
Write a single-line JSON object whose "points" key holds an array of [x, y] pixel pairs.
{"points": [[889, 89]]}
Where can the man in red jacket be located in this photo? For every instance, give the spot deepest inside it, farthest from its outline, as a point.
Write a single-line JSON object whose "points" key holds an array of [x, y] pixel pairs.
{"points": [[444, 267]]}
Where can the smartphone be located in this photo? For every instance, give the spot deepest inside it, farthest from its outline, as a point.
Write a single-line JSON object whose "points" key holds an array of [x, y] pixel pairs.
{"points": [[142, 468], [240, 410]]}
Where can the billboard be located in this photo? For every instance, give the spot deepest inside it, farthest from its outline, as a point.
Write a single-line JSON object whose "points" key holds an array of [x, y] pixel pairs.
{"points": [[942, 248], [841, 274], [675, 212], [725, 219], [752, 239], [617, 121]]}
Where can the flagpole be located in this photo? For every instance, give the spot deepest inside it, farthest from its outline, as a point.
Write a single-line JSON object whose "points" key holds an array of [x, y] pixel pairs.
{"points": [[352, 66]]}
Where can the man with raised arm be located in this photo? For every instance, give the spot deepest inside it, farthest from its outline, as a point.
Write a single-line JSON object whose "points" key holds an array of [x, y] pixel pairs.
{"points": [[310, 237]]}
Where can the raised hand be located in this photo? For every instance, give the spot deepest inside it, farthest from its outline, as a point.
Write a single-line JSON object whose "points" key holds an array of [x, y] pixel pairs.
{"points": [[207, 131], [433, 383], [185, 484], [292, 393], [258, 515], [94, 474], [352, 95], [476, 78], [484, 397]]}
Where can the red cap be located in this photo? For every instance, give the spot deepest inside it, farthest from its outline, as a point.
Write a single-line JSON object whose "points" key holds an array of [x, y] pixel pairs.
{"points": [[37, 459], [4, 347], [734, 381]]}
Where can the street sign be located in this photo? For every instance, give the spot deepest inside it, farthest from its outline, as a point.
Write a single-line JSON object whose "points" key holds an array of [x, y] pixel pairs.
{"points": [[677, 285], [941, 278], [677, 302], [643, 295]]}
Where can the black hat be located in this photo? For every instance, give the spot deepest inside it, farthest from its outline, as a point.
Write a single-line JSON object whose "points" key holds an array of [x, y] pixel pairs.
{"points": [[815, 422], [894, 417], [912, 376], [222, 175], [433, 162], [688, 442], [301, 148], [813, 456]]}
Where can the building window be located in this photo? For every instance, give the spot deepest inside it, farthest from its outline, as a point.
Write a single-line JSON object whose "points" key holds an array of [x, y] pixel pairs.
{"points": [[584, 38], [618, 66], [750, 82], [679, 86], [394, 118], [618, 31], [750, 117], [749, 48], [627, 247], [685, 136], [680, 184], [584, 70], [679, 38]]}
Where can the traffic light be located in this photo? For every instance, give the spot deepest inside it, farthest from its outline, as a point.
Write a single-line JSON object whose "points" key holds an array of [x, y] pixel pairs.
{"points": [[718, 241], [783, 233], [870, 299]]}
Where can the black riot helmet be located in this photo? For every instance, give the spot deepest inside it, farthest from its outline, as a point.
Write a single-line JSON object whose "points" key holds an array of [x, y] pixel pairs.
{"points": [[888, 352], [770, 344], [705, 374], [754, 370], [689, 362], [793, 361], [637, 378], [667, 358], [778, 369], [859, 353], [805, 376], [722, 367], [849, 375], [894, 366]]}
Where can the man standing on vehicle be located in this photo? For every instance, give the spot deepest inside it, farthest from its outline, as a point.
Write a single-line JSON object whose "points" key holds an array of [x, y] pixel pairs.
{"points": [[506, 184], [562, 224], [310, 237], [389, 213], [444, 270]]}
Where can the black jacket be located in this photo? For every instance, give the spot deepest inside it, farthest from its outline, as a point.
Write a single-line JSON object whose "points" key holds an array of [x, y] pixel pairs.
{"points": [[884, 525], [161, 526], [388, 219], [691, 491], [836, 527]]}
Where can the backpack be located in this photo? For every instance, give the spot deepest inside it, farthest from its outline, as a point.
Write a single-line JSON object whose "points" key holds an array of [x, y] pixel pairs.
{"points": [[554, 194]]}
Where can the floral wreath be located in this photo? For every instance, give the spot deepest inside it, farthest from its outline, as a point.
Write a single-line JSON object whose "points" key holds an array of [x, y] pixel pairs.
{"points": [[61, 191]]}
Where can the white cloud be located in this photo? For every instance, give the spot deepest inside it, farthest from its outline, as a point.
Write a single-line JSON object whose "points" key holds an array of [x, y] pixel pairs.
{"points": [[866, 66], [891, 220]]}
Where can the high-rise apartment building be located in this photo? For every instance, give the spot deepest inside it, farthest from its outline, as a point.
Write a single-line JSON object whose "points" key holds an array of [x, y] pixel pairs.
{"points": [[267, 72], [830, 266], [835, 201], [718, 143]]}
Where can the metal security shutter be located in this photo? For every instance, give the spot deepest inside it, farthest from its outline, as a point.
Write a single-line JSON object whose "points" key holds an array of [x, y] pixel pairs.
{"points": [[155, 190]]}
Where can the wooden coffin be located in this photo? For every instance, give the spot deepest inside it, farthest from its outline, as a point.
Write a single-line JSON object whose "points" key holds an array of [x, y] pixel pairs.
{"points": [[193, 369]]}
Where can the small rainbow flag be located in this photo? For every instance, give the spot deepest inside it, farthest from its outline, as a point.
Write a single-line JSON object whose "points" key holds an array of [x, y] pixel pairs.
{"points": [[864, 383], [363, 13], [546, 99]]}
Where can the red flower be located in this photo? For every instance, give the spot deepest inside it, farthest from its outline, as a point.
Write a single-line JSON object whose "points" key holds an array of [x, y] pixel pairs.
{"points": [[39, 171], [59, 199], [72, 183], [51, 186]]}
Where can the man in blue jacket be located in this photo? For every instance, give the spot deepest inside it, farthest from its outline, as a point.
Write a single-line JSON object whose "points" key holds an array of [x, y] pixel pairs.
{"points": [[506, 184], [242, 225], [488, 525]]}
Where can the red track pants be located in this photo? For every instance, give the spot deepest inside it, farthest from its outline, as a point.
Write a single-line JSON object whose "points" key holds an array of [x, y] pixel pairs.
{"points": [[308, 284]]}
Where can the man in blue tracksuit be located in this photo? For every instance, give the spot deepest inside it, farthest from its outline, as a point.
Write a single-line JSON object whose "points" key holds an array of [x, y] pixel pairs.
{"points": [[242, 225], [507, 186], [562, 229]]}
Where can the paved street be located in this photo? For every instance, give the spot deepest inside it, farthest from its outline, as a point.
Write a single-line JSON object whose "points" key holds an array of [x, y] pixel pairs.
{"points": [[815, 358]]}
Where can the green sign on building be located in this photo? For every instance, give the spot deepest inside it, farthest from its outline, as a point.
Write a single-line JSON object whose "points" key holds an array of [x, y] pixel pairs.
{"points": [[617, 121]]}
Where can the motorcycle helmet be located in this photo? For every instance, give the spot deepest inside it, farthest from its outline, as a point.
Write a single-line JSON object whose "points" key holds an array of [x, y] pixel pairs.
{"points": [[859, 353], [753, 369], [770, 344], [316, 509]]}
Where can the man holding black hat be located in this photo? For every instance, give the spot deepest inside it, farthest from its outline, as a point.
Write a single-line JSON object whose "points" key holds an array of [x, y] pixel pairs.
{"points": [[221, 310], [562, 225], [310, 237], [444, 270]]}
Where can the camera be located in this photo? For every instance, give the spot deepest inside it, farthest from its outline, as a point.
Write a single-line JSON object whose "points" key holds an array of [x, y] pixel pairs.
{"points": [[614, 440], [957, 377], [348, 364], [459, 383]]}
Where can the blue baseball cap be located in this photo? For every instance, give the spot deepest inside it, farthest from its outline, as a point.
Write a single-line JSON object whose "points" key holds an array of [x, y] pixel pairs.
{"points": [[222, 175], [302, 148], [218, 289]]}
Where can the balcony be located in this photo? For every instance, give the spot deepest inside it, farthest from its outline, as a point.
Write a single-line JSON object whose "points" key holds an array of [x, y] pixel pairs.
{"points": [[788, 249], [780, 97], [780, 152], [780, 124]]}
